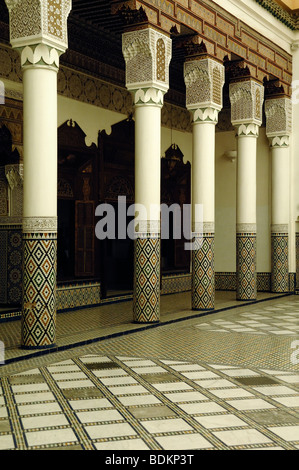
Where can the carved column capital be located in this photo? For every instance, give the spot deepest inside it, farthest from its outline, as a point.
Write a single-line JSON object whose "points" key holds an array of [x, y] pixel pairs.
{"points": [[247, 99], [279, 121], [204, 79], [147, 53], [38, 29]]}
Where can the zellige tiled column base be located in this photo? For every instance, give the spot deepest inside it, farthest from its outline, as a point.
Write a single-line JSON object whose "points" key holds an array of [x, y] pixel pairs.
{"points": [[146, 301], [246, 267], [203, 273], [39, 290], [280, 263]]}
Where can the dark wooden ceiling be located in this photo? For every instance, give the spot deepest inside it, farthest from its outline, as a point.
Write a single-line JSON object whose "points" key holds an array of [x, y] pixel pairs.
{"points": [[98, 14]]}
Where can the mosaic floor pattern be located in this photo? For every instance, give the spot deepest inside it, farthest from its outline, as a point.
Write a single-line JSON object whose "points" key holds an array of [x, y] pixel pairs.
{"points": [[281, 319], [129, 403], [202, 384]]}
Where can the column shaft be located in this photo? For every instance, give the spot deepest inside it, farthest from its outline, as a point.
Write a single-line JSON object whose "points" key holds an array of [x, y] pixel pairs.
{"points": [[278, 128], [246, 218], [204, 77], [146, 302], [40, 142], [148, 158], [280, 220], [47, 23], [39, 208], [147, 53], [203, 193], [247, 97]]}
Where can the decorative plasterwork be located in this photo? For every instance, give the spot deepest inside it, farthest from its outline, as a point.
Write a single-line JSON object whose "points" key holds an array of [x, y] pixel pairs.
{"points": [[251, 130], [280, 141], [147, 54], [147, 228], [206, 115], [247, 99], [246, 228], [39, 22], [204, 80], [39, 224], [279, 121], [149, 96], [202, 228], [280, 228], [223, 33], [40, 55]]}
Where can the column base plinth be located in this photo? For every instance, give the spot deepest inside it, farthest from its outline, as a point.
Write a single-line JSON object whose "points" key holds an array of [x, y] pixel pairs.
{"points": [[203, 309], [280, 263], [135, 322], [203, 274], [146, 300], [39, 290], [246, 267]]}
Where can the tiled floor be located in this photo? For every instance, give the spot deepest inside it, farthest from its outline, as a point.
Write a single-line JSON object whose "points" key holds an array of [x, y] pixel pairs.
{"points": [[207, 383]]}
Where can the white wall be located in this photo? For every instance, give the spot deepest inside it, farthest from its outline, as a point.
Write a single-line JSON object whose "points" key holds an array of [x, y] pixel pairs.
{"points": [[225, 237], [225, 227]]}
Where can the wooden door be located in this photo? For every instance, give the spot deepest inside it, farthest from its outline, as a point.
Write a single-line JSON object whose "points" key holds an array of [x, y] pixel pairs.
{"points": [[85, 239]]}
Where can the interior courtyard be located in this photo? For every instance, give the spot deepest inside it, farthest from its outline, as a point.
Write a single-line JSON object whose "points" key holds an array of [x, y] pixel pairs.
{"points": [[117, 119]]}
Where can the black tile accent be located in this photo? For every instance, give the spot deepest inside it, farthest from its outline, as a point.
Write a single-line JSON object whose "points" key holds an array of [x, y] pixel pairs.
{"points": [[26, 379], [250, 381], [102, 365], [273, 417], [72, 447], [5, 426], [91, 392], [152, 412], [160, 378]]}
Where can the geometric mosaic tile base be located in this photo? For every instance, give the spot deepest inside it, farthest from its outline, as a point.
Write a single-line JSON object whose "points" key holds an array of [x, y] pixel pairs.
{"points": [[280, 263], [39, 295], [146, 297], [203, 273], [246, 266]]}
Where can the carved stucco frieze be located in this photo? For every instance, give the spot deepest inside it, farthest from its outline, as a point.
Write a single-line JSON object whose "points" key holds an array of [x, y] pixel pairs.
{"points": [[246, 228], [39, 224], [38, 29], [41, 55], [247, 99], [279, 229], [279, 121], [147, 54], [246, 129], [204, 79]]}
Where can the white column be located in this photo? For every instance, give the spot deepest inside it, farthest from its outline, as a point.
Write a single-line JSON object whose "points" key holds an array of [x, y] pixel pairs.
{"points": [[40, 35], [40, 142], [246, 98], [148, 159], [147, 53], [246, 180], [279, 122], [204, 78], [203, 169]]}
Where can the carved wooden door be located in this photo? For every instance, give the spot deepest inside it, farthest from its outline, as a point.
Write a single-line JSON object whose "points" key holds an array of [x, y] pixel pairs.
{"points": [[85, 239]]}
